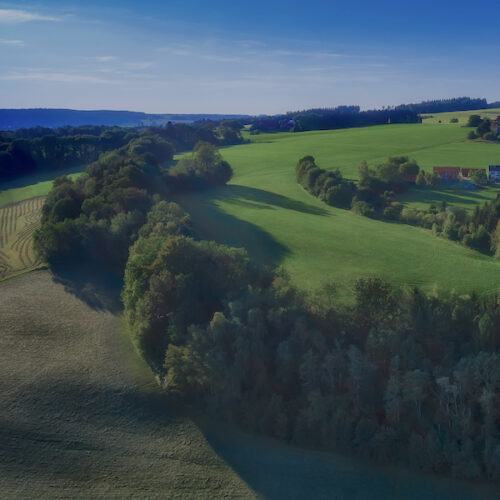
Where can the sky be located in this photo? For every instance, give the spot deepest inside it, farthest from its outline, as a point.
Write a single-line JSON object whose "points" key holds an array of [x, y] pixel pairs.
{"points": [[245, 56]]}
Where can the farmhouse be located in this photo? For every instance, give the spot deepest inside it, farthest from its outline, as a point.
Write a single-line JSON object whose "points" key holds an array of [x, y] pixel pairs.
{"points": [[494, 172], [447, 173], [467, 172]]}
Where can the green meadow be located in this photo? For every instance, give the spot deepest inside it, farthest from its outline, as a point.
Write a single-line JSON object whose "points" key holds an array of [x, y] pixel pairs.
{"points": [[266, 211], [32, 186], [461, 116]]}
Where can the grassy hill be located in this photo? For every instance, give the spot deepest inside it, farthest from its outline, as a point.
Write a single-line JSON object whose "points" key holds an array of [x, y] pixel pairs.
{"points": [[265, 210]]}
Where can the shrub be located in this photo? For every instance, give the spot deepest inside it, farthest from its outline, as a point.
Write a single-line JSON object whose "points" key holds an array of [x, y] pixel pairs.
{"points": [[473, 121], [360, 207]]}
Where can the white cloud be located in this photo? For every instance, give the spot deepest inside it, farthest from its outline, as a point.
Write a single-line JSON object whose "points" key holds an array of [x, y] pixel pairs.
{"points": [[11, 42], [137, 65], [176, 52], [225, 59], [14, 16], [102, 58], [57, 77]]}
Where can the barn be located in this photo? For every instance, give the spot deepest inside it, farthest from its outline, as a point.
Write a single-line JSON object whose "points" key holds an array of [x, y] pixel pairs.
{"points": [[447, 173], [467, 172]]}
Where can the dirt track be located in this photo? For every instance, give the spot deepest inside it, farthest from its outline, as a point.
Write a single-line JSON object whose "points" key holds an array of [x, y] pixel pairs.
{"points": [[80, 417]]}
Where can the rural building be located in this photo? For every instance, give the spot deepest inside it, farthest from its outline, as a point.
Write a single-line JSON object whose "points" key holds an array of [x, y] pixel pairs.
{"points": [[494, 172], [495, 125], [411, 178], [467, 172], [447, 173]]}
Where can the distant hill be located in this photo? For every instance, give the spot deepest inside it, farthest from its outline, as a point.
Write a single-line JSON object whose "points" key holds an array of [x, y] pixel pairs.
{"points": [[11, 119]]}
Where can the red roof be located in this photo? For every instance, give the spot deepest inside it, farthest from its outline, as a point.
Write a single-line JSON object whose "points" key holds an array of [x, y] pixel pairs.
{"points": [[446, 169]]}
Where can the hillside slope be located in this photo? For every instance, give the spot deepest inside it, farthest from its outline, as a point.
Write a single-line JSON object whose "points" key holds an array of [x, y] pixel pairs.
{"points": [[265, 210], [81, 417]]}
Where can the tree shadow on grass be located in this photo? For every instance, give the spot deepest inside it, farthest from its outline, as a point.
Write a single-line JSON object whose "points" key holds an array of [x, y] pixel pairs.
{"points": [[276, 470], [211, 223], [96, 286], [259, 198], [450, 195]]}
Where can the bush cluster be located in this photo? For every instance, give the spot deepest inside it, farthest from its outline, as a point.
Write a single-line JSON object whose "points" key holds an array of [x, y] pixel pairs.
{"points": [[97, 217], [329, 187]]}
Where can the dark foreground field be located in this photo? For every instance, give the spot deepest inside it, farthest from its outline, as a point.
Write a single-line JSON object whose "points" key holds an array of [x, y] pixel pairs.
{"points": [[80, 417]]}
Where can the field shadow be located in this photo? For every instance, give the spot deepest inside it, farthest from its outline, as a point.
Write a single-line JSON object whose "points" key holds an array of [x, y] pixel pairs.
{"points": [[41, 176], [276, 470], [449, 195], [96, 286], [267, 200], [211, 223], [71, 440]]}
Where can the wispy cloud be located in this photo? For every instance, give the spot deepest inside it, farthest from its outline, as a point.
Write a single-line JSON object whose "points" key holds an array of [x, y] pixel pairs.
{"points": [[11, 42], [102, 58], [47, 76], [14, 16], [224, 59], [177, 49], [137, 65]]}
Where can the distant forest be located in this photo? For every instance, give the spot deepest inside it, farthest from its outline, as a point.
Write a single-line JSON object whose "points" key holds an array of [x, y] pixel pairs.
{"points": [[11, 119], [31, 150], [309, 119], [352, 116]]}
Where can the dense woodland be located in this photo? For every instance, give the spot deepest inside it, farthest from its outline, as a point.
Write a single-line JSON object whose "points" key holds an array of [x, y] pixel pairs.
{"points": [[396, 377], [37, 149], [97, 217], [446, 105], [352, 116], [330, 118], [375, 195], [31, 150]]}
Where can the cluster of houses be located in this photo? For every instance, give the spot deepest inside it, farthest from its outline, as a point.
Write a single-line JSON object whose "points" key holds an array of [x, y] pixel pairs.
{"points": [[452, 173]]}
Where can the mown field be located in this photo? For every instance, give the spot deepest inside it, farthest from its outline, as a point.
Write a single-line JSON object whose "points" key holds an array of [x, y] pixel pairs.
{"points": [[17, 224], [265, 210], [81, 417], [21, 202]]}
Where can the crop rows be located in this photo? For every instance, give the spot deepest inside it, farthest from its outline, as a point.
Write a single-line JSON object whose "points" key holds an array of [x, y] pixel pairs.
{"points": [[17, 223]]}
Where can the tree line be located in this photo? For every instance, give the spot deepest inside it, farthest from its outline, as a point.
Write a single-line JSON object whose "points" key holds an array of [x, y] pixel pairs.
{"points": [[27, 151], [330, 118], [446, 105]]}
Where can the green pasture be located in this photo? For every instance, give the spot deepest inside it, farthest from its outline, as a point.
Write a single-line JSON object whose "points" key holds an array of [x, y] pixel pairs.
{"points": [[266, 211], [10, 194], [462, 116]]}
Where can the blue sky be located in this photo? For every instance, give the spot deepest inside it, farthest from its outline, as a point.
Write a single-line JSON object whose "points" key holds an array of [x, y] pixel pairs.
{"points": [[250, 56]]}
